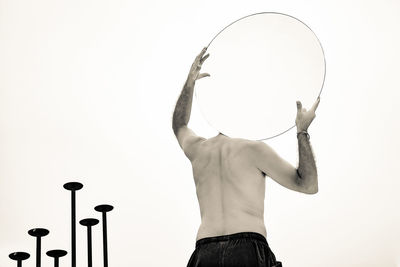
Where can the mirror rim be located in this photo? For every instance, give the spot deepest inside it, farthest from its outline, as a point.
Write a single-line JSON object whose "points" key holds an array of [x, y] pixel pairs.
{"points": [[272, 13]]}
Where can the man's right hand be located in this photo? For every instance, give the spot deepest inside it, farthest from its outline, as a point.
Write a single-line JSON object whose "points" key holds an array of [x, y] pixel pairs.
{"points": [[304, 117], [194, 73]]}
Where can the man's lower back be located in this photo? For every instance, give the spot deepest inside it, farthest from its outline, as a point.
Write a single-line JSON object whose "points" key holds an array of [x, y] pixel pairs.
{"points": [[231, 225]]}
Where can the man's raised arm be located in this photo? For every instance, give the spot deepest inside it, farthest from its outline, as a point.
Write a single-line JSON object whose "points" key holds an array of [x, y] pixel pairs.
{"points": [[307, 170], [183, 108], [303, 179]]}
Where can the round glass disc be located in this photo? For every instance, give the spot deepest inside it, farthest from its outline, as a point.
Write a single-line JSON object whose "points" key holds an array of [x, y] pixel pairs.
{"points": [[260, 65]]}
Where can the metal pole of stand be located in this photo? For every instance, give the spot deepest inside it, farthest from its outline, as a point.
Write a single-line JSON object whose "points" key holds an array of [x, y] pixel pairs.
{"points": [[104, 209], [56, 254], [73, 186], [89, 222], [38, 233], [19, 257]]}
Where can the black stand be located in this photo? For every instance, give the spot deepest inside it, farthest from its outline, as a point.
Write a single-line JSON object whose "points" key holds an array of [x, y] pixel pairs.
{"points": [[38, 233], [89, 223], [73, 186], [19, 257], [56, 254], [104, 209]]}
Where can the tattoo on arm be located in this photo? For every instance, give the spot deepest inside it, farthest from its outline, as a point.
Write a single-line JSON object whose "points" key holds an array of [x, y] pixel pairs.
{"points": [[183, 107]]}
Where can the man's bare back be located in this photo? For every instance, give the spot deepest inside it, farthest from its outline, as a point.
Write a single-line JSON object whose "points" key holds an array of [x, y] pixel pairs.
{"points": [[229, 174], [230, 188]]}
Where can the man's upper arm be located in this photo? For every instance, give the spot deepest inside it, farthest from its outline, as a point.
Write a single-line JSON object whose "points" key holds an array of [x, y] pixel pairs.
{"points": [[281, 171], [188, 141]]}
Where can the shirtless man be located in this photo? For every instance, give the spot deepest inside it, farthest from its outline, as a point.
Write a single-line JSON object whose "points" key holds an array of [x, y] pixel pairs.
{"points": [[229, 174]]}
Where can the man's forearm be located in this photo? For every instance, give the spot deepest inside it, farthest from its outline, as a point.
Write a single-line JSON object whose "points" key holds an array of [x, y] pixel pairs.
{"points": [[307, 169], [183, 107]]}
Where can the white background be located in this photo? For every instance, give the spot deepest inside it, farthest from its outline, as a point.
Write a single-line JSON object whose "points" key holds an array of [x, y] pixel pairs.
{"points": [[87, 90]]}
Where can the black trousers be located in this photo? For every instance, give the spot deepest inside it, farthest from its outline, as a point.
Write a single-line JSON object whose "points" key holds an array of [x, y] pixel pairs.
{"points": [[245, 249]]}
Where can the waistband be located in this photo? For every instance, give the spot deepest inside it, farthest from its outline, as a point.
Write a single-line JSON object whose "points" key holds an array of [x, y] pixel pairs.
{"points": [[241, 235]]}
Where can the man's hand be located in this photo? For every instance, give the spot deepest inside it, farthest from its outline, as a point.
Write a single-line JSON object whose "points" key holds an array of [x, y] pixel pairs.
{"points": [[304, 117], [194, 73]]}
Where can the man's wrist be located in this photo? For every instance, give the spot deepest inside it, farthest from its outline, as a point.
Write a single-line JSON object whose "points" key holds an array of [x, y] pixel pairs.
{"points": [[301, 129], [303, 132]]}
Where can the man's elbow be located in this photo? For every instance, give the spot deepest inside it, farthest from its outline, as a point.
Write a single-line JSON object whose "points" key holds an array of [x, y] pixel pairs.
{"points": [[308, 187], [311, 190]]}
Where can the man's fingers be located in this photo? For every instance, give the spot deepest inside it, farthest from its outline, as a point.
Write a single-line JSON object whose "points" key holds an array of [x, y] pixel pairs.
{"points": [[199, 59], [202, 53], [202, 75], [299, 106], [204, 58], [314, 107]]}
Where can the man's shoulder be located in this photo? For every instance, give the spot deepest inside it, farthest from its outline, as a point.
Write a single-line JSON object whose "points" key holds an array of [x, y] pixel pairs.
{"points": [[251, 148], [243, 147], [232, 145], [246, 143]]}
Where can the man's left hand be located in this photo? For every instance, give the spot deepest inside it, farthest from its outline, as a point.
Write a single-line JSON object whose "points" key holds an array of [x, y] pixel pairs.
{"points": [[194, 73]]}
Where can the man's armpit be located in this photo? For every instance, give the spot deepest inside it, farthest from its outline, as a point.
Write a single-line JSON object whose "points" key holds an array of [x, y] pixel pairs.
{"points": [[189, 141], [192, 148]]}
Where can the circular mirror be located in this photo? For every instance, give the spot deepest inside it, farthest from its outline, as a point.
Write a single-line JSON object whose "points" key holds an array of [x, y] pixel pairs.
{"points": [[260, 65]]}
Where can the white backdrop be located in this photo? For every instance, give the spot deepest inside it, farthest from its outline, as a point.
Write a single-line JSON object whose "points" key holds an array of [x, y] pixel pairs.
{"points": [[87, 90]]}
